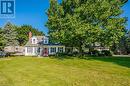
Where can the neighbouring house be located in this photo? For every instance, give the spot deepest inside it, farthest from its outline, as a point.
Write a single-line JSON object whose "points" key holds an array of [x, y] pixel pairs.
{"points": [[15, 50], [40, 46], [97, 46]]}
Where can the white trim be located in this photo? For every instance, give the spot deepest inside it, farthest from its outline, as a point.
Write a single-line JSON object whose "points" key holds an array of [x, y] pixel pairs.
{"points": [[34, 38]]}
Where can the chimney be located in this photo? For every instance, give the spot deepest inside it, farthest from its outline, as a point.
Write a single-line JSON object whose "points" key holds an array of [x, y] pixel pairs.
{"points": [[30, 35]]}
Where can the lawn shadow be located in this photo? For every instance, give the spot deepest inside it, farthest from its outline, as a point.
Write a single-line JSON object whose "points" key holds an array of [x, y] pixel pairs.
{"points": [[122, 61], [61, 57]]}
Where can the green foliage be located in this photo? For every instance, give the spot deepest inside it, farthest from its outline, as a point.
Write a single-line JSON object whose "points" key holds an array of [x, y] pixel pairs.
{"points": [[23, 31], [123, 47], [16, 35], [127, 44], [81, 22], [106, 53], [94, 53], [2, 41], [10, 34], [100, 53]]}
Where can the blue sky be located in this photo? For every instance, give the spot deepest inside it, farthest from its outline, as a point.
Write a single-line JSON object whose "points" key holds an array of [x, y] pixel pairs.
{"points": [[32, 12]]}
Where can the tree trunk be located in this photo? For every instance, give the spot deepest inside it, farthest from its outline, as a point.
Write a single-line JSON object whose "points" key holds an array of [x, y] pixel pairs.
{"points": [[80, 50]]}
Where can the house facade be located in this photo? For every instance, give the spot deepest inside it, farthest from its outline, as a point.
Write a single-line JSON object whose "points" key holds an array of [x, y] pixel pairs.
{"points": [[40, 46], [17, 50]]}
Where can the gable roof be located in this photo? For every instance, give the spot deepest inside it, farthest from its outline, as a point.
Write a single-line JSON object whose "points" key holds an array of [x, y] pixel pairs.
{"points": [[40, 42], [39, 38]]}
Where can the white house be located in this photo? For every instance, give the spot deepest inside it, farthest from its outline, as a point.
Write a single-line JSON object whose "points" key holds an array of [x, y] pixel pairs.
{"points": [[40, 46]]}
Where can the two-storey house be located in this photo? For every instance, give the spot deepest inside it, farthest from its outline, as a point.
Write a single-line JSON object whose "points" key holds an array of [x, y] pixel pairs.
{"points": [[40, 46]]}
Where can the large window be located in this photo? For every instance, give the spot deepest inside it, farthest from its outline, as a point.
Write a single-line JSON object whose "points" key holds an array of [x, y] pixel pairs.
{"points": [[60, 49], [29, 50], [35, 49], [53, 49]]}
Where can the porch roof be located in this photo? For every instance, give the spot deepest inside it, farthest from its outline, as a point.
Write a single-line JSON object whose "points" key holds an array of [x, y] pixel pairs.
{"points": [[36, 45]]}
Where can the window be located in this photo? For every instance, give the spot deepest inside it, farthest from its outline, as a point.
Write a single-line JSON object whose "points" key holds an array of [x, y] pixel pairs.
{"points": [[53, 50], [35, 49], [33, 41], [45, 41], [29, 50], [60, 49], [16, 49]]}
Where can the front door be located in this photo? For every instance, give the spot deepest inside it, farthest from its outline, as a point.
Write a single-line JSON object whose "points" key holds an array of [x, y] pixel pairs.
{"points": [[45, 52]]}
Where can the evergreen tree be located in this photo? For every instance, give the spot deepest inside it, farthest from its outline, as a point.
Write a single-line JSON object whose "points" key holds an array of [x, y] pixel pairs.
{"points": [[2, 41], [10, 35]]}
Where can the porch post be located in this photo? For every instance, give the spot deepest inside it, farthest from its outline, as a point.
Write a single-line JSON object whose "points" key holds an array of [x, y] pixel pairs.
{"points": [[33, 50], [25, 51], [63, 49], [49, 50], [56, 49], [41, 49]]}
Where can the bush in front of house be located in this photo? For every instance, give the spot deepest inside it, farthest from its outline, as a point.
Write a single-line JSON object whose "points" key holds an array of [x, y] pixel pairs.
{"points": [[91, 53], [61, 54], [106, 53], [75, 53], [4, 54], [94, 53], [100, 53]]}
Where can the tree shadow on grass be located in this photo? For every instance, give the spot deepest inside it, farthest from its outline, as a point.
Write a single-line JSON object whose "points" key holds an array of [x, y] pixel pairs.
{"points": [[122, 61]]}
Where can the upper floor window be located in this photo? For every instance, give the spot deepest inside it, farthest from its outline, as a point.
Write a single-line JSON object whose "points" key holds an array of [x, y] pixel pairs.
{"points": [[34, 41], [45, 41]]}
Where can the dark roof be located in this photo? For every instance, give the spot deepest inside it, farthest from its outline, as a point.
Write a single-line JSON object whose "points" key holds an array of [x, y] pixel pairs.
{"points": [[53, 44]]}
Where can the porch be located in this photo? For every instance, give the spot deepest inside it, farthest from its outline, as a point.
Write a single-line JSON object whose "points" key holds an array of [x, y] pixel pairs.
{"points": [[43, 50]]}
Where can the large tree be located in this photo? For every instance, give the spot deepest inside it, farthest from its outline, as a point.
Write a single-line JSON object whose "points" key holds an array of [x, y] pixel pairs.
{"points": [[123, 47], [2, 40], [83, 22], [23, 31], [10, 34]]}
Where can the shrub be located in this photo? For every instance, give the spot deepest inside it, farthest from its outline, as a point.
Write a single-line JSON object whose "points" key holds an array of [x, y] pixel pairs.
{"points": [[8, 54], [75, 53], [94, 53], [106, 53], [61, 54]]}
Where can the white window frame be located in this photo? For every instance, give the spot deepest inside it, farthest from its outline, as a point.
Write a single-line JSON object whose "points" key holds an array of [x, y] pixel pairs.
{"points": [[29, 49], [34, 40], [60, 49], [53, 50]]}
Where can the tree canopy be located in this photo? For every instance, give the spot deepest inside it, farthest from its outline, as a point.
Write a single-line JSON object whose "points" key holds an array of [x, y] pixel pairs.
{"points": [[2, 41], [83, 22], [10, 34], [23, 31]]}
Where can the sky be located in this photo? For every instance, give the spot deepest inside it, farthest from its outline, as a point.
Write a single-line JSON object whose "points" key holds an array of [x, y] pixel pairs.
{"points": [[33, 12]]}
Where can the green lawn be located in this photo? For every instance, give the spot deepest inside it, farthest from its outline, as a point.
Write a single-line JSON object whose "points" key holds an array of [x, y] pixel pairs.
{"points": [[66, 72]]}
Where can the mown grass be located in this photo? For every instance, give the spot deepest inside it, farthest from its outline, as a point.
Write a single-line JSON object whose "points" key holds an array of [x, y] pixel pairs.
{"points": [[31, 71]]}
